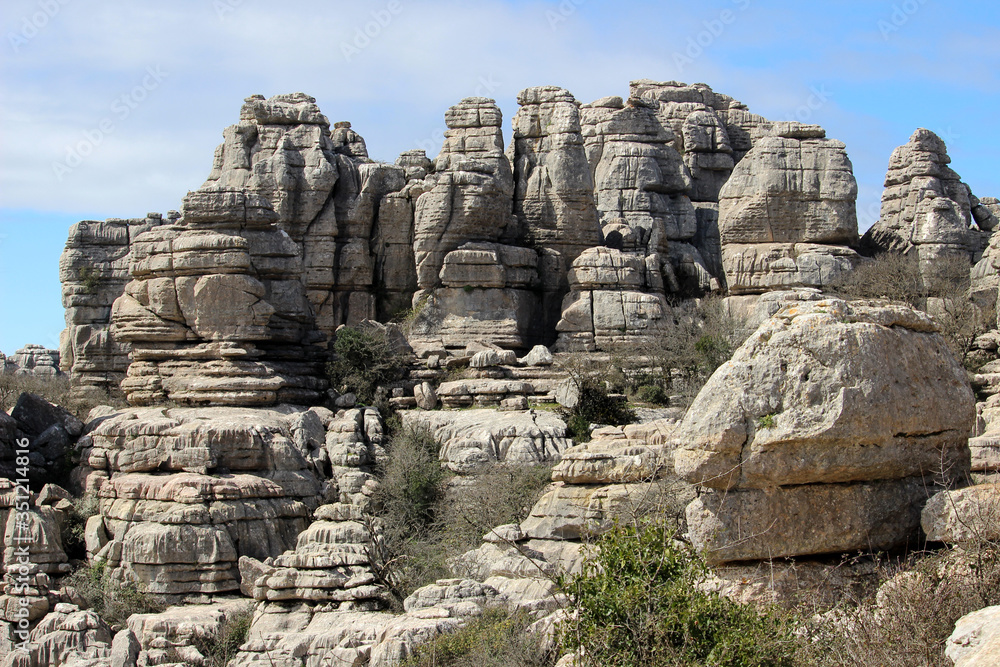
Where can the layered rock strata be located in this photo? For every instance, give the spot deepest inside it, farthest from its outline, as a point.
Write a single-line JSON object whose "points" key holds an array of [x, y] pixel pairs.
{"points": [[553, 188], [471, 439], [615, 298], [620, 473], [787, 214], [808, 415], [190, 491], [325, 192], [926, 210], [36, 360], [93, 270], [215, 312]]}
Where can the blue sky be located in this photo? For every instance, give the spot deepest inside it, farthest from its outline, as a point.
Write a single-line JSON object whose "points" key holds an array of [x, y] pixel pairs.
{"points": [[146, 88]]}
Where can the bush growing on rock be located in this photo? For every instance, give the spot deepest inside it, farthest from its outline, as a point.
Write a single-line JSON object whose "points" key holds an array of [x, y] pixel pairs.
{"points": [[494, 639], [425, 519], [111, 599], [637, 602], [363, 360], [221, 647]]}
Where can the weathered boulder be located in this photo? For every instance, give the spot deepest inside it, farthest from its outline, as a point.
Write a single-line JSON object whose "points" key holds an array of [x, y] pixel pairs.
{"points": [[976, 639], [817, 402], [808, 413], [964, 515], [330, 564], [487, 294], [615, 297]]}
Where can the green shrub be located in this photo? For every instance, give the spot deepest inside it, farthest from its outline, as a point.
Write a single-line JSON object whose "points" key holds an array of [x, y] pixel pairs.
{"points": [[596, 406], [422, 520], [409, 554], [637, 603], [74, 527], [112, 599], [221, 647], [766, 421], [363, 360], [90, 279], [497, 495], [652, 393], [494, 639]]}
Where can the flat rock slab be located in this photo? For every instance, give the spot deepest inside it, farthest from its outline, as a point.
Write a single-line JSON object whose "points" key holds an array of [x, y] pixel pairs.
{"points": [[756, 524]]}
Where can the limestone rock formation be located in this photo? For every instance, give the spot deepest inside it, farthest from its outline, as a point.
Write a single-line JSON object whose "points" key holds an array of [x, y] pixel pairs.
{"points": [[191, 491], [615, 297], [471, 189], [926, 208], [473, 438], [67, 636], [808, 414], [325, 193], [487, 293], [964, 515], [36, 360], [216, 312], [330, 564], [788, 212], [619, 473], [93, 270], [553, 187]]}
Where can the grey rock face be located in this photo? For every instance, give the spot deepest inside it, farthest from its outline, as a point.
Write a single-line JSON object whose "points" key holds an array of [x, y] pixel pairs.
{"points": [[189, 492], [325, 193], [554, 190], [639, 177], [36, 360], [470, 193], [809, 406], [788, 212], [926, 209], [614, 297], [93, 270], [473, 438], [216, 312]]}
